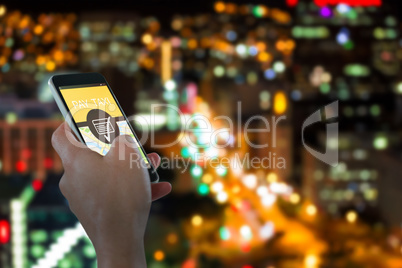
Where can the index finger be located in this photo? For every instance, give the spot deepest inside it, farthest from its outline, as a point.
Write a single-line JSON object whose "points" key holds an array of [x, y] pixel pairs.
{"points": [[66, 144]]}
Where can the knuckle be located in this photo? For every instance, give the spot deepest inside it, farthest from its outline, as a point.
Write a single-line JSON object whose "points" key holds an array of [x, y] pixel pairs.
{"points": [[72, 207], [68, 162], [54, 138], [63, 185]]}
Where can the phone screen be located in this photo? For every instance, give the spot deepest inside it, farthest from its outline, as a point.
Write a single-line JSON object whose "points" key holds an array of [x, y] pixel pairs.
{"points": [[97, 116]]}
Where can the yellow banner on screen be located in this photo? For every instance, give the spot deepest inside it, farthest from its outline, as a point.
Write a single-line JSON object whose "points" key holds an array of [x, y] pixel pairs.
{"points": [[84, 99]]}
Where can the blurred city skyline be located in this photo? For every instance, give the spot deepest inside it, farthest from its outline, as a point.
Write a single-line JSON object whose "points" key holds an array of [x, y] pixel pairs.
{"points": [[204, 57]]}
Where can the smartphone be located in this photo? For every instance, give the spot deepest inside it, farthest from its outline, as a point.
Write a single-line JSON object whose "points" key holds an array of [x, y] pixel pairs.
{"points": [[92, 111]]}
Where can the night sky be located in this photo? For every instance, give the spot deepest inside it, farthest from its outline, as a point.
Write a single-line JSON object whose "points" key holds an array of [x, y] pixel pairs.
{"points": [[160, 8], [155, 7]]}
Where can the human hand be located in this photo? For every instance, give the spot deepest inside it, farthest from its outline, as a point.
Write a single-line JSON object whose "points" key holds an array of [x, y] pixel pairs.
{"points": [[110, 197]]}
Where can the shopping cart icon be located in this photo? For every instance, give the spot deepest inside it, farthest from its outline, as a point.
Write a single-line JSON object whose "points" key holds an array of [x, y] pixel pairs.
{"points": [[103, 127]]}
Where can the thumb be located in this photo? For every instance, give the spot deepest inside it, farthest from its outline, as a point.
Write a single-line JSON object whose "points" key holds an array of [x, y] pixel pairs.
{"points": [[123, 147]]}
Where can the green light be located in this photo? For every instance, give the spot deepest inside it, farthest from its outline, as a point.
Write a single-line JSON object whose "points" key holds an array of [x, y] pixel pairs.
{"points": [[11, 118], [224, 233], [322, 32], [39, 236], [344, 94], [365, 174], [352, 14], [391, 21], [379, 33], [184, 42], [203, 189], [391, 33], [252, 78], [76, 261], [89, 252], [9, 42], [279, 67], [349, 45], [309, 32], [27, 195], [170, 96], [297, 32], [65, 263], [325, 88], [265, 95], [258, 11], [380, 143], [219, 71], [375, 110], [37, 251], [185, 152], [87, 240], [399, 88], [196, 171], [221, 171], [357, 70], [56, 235]]}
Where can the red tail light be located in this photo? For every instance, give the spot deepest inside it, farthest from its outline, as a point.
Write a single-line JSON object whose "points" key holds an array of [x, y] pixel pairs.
{"points": [[4, 232]]}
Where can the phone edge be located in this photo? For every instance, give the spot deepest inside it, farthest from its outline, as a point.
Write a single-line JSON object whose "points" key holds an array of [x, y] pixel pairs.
{"points": [[64, 111]]}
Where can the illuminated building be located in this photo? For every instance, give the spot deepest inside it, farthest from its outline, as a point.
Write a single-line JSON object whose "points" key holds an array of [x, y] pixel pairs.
{"points": [[26, 147], [28, 142], [343, 54], [360, 181]]}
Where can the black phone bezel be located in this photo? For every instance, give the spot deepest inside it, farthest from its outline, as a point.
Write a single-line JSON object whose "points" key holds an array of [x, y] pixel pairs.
{"points": [[77, 79]]}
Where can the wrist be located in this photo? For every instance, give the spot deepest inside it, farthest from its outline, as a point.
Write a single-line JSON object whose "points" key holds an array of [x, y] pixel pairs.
{"points": [[121, 256]]}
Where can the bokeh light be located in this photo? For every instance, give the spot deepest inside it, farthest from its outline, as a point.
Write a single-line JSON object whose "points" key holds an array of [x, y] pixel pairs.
{"points": [[232, 202]]}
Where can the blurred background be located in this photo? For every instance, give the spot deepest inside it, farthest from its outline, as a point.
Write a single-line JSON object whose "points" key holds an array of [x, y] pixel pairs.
{"points": [[284, 57]]}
